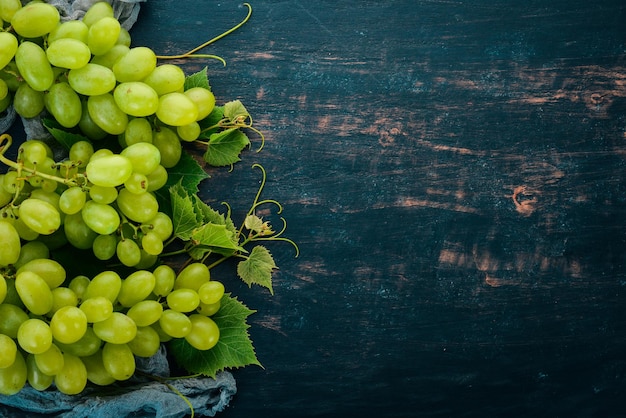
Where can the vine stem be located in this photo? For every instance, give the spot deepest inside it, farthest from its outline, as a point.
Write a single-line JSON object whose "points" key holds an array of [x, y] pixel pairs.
{"points": [[190, 53]]}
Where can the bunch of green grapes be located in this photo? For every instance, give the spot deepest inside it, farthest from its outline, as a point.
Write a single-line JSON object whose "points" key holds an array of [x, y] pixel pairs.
{"points": [[92, 329]]}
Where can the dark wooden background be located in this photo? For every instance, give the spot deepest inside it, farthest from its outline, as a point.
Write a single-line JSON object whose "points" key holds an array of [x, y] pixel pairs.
{"points": [[453, 172]]}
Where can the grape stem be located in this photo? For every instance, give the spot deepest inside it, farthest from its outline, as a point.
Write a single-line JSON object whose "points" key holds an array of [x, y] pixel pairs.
{"points": [[190, 54]]}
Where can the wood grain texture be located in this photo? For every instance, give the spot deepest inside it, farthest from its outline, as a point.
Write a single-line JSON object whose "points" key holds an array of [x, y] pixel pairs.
{"points": [[454, 173]]}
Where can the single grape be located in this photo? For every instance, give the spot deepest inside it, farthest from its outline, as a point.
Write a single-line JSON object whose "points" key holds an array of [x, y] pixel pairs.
{"points": [[8, 351], [80, 233], [109, 58], [124, 38], [97, 11], [157, 179], [175, 324], [136, 98], [81, 152], [8, 48], [25, 232], [102, 194], [11, 317], [40, 216], [68, 324], [13, 378], [208, 310], [68, 53], [8, 9], [33, 66], [88, 127], [72, 200], [118, 360], [86, 346], [152, 243], [32, 250], [27, 102], [189, 133], [168, 143], [79, 285], [144, 157], [70, 29], [136, 287], [165, 277], [183, 300], [137, 183], [97, 309], [72, 378], [204, 100], [34, 292], [62, 297], [34, 336], [107, 283], [10, 245], [109, 171], [176, 109], [193, 276], [103, 35], [64, 104], [91, 79], [104, 246], [135, 65], [145, 312], [211, 292], [116, 329], [137, 130], [35, 377], [146, 343], [35, 19], [106, 113], [166, 78], [3, 288], [96, 373], [128, 252], [204, 333], [50, 361], [137, 207], [5, 102], [51, 271]]}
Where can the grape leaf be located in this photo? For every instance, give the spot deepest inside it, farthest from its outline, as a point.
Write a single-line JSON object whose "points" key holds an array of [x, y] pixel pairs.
{"points": [[224, 147], [253, 223], [188, 172], [199, 79], [67, 139], [184, 217], [211, 121], [215, 238], [258, 268], [233, 350], [208, 214], [235, 110]]}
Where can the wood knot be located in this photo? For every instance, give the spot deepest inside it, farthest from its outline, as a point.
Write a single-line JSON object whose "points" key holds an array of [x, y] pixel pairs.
{"points": [[524, 205]]}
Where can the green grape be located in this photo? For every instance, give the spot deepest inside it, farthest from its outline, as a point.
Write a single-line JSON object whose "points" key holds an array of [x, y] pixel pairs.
{"points": [[25, 232], [51, 271], [68, 53], [204, 333], [4, 90], [109, 58], [176, 109], [62, 297], [34, 336], [136, 98], [116, 329], [40, 216], [102, 194], [183, 300], [70, 29], [11, 317], [175, 324], [5, 197], [78, 232], [103, 35], [204, 100], [211, 292], [86, 346], [3, 288], [146, 343], [91, 80], [128, 252], [162, 335], [166, 78], [164, 278], [35, 19], [78, 285], [72, 200], [152, 244], [208, 310], [107, 283], [135, 65], [137, 130], [124, 38], [10, 245], [72, 378], [136, 287], [96, 373], [189, 133], [168, 143], [33, 66], [118, 360], [68, 324], [32, 250], [106, 113], [48, 197], [146, 261], [8, 9], [5, 103], [8, 48], [96, 12], [145, 312], [64, 104], [88, 127], [144, 157], [157, 179], [97, 309], [137, 207], [50, 361], [34, 292], [193, 276], [13, 378], [27, 102], [81, 152], [12, 183], [104, 246], [35, 377], [109, 171], [137, 183], [8, 351]]}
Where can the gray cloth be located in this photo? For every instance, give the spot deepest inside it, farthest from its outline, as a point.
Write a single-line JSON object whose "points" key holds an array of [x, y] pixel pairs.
{"points": [[139, 397]]}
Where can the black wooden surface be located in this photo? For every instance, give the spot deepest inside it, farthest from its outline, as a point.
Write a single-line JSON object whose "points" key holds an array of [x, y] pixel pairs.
{"points": [[454, 175]]}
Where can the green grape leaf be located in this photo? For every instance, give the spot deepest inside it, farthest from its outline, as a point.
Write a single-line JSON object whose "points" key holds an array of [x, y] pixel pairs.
{"points": [[233, 350], [67, 139], [199, 79], [257, 268], [215, 238], [235, 110], [211, 121], [188, 172], [184, 217], [208, 214], [224, 147], [253, 223]]}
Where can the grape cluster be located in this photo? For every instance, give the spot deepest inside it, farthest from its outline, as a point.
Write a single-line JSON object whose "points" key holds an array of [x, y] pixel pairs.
{"points": [[92, 329]]}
